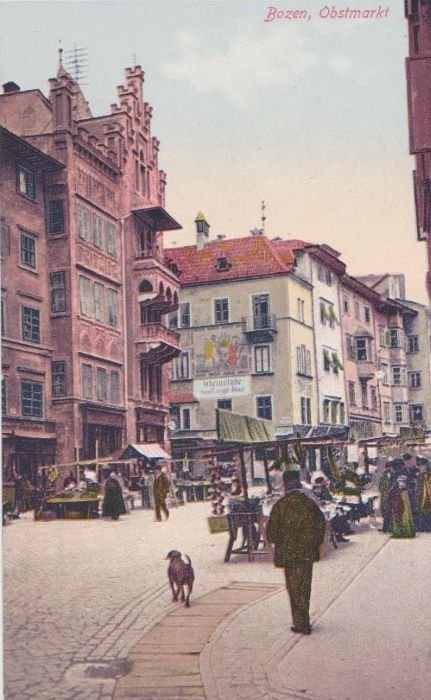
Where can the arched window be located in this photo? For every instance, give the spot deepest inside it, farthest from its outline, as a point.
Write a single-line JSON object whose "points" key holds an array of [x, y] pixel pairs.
{"points": [[145, 286]]}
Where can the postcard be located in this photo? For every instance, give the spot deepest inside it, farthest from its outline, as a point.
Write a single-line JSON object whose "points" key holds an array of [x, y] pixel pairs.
{"points": [[215, 349]]}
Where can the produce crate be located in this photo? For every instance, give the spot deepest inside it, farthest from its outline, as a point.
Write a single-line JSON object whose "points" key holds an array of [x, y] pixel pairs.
{"points": [[217, 523]]}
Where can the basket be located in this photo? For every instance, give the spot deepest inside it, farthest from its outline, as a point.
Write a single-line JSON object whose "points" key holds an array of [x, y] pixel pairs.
{"points": [[217, 523]]}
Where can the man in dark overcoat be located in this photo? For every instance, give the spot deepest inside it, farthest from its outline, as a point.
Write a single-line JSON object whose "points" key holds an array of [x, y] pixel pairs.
{"points": [[161, 488], [297, 528]]}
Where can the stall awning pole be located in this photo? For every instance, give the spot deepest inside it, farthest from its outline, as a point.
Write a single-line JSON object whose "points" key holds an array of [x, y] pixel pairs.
{"points": [[265, 466], [243, 474]]}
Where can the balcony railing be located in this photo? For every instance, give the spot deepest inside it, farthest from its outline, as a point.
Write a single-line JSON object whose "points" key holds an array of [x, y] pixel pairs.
{"points": [[160, 343], [259, 328]]}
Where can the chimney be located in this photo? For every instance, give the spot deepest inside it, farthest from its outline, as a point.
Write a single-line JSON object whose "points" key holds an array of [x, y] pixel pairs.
{"points": [[202, 231], [10, 87]]}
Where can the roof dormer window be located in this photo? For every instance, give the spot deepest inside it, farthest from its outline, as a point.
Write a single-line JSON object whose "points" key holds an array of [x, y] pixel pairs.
{"points": [[223, 264]]}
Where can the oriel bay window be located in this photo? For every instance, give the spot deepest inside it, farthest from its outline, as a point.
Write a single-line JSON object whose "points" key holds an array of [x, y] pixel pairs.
{"points": [[56, 216], [151, 381], [102, 384], [396, 338], [112, 303], [83, 222], [85, 296], [3, 396], [362, 349], [115, 387], [58, 378], [111, 238], [87, 381], [146, 237], [99, 302], [98, 231], [26, 181], [58, 292], [399, 376]]}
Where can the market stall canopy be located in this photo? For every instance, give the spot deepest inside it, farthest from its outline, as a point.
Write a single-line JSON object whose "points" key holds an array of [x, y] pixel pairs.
{"points": [[145, 449], [234, 427]]}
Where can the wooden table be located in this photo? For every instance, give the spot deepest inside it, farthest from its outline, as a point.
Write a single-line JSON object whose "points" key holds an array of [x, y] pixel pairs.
{"points": [[198, 490], [88, 506], [252, 524]]}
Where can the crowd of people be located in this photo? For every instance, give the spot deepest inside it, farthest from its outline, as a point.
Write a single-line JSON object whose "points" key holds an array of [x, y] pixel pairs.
{"points": [[405, 496]]}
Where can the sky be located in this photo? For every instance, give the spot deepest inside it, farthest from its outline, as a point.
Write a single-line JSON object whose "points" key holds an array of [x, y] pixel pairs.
{"points": [[309, 115]]}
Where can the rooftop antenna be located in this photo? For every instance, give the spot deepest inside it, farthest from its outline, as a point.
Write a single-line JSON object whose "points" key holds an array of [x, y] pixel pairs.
{"points": [[60, 54], [77, 64], [263, 217]]}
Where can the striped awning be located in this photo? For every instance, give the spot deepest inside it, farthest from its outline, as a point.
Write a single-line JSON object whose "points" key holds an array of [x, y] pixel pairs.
{"points": [[150, 450]]}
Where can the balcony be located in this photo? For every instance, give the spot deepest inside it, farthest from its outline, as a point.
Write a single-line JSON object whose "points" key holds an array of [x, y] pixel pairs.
{"points": [[160, 304], [158, 343], [366, 369], [260, 329]]}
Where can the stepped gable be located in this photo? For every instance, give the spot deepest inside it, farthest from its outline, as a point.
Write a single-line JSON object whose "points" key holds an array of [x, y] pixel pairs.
{"points": [[251, 256]]}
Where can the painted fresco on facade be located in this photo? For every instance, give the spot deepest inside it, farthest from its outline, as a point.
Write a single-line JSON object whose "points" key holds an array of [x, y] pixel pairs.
{"points": [[220, 354]]}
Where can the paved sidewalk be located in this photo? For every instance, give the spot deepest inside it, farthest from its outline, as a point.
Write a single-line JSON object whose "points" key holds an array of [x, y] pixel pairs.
{"points": [[219, 647], [165, 663], [371, 640]]}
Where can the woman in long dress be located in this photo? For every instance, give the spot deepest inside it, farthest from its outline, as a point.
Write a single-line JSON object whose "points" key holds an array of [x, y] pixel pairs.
{"points": [[113, 502], [424, 497], [402, 523]]}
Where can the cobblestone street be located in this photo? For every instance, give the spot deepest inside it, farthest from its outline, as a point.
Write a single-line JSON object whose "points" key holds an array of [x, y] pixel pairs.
{"points": [[88, 616], [79, 594]]}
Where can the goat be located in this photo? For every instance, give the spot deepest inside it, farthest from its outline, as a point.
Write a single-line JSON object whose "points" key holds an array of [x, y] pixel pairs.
{"points": [[180, 573]]}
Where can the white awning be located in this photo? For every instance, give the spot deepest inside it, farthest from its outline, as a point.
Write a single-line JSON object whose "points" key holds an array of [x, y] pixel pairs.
{"points": [[150, 450]]}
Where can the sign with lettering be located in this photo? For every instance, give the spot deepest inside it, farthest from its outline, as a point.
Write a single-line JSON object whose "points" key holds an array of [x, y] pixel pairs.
{"points": [[221, 388]]}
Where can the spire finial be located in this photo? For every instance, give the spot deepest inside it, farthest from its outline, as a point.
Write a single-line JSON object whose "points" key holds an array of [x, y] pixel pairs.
{"points": [[263, 217], [60, 55]]}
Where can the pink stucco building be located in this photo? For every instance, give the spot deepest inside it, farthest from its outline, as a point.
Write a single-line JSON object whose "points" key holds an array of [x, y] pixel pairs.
{"points": [[85, 289], [418, 65]]}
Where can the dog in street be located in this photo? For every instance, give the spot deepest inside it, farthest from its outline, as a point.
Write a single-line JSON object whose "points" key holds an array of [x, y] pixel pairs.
{"points": [[180, 574]]}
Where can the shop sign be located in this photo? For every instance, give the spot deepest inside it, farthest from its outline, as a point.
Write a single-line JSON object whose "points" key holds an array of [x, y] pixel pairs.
{"points": [[221, 388]]}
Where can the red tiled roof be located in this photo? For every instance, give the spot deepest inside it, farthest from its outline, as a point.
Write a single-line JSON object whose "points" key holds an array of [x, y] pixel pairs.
{"points": [[251, 256]]}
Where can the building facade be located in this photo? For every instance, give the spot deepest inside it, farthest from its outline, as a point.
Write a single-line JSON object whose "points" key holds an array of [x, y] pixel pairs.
{"points": [[247, 344], [418, 68], [85, 265], [359, 314], [404, 355], [321, 267]]}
